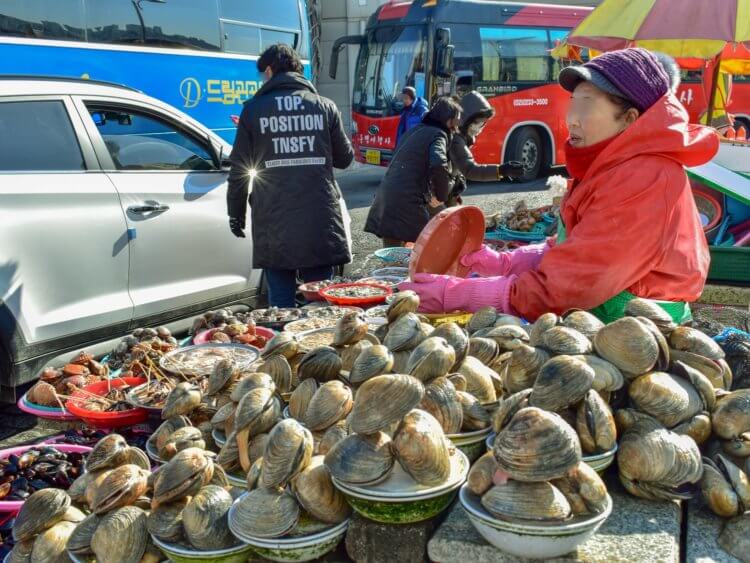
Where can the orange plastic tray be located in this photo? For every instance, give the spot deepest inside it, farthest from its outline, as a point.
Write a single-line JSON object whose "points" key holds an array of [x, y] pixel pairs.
{"points": [[450, 235]]}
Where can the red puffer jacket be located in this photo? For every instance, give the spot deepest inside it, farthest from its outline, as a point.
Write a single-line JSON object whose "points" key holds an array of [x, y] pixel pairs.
{"points": [[631, 222]]}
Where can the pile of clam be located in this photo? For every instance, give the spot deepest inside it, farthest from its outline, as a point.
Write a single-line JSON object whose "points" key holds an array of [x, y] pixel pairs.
{"points": [[290, 489], [535, 472], [191, 503]]}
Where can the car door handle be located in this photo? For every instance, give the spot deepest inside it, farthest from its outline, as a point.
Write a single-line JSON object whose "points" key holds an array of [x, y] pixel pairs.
{"points": [[151, 207]]}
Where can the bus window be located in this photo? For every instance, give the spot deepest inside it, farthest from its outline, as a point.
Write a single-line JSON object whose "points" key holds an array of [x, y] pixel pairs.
{"points": [[182, 23], [41, 19], [467, 58], [240, 38], [278, 13], [514, 54], [270, 37], [111, 21]]}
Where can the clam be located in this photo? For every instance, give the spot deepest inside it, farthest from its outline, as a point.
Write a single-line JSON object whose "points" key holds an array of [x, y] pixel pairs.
{"points": [[717, 372], [456, 338], [401, 361], [322, 364], [205, 519], [77, 489], [251, 381], [483, 318], [483, 349], [253, 475], [584, 490], [277, 366], [480, 380], [526, 501], [628, 344], [317, 495], [583, 322], [349, 354], [121, 536], [402, 303], [266, 513], [122, 486], [520, 370], [51, 544], [137, 457], [350, 328], [725, 487], [698, 428], [182, 476], [165, 522], [381, 332], [595, 424], [301, 397], [257, 412], [21, 552], [441, 401], [693, 340], [474, 415], [508, 408], [562, 381], [433, 358], [536, 445], [647, 308], [458, 381], [481, 474], [731, 422], [383, 400], [668, 398], [282, 344], [229, 454], [700, 382], [405, 333], [222, 415], [508, 337], [332, 436], [181, 400], [562, 340], [542, 325], [655, 463], [421, 448], [288, 451], [360, 459], [187, 437], [628, 417], [107, 453], [42, 509], [371, 362], [503, 320], [332, 402], [79, 543], [221, 376], [607, 377]]}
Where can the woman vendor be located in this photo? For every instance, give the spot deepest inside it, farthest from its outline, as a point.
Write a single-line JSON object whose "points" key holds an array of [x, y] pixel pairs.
{"points": [[628, 223], [476, 111]]}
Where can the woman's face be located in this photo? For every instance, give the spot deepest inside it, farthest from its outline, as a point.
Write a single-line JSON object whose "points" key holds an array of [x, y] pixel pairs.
{"points": [[454, 123], [593, 117]]}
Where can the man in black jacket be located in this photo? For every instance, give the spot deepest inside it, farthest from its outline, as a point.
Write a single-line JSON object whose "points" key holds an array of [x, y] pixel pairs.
{"points": [[288, 142]]}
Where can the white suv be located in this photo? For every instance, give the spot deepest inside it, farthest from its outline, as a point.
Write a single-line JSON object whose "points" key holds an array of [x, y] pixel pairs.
{"points": [[112, 216]]}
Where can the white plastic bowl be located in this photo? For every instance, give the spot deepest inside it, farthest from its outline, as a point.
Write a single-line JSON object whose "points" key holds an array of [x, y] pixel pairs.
{"points": [[527, 539]]}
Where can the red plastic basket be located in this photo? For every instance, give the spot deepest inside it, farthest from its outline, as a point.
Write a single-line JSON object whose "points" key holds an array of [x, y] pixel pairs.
{"points": [[356, 301], [310, 294], [97, 419]]}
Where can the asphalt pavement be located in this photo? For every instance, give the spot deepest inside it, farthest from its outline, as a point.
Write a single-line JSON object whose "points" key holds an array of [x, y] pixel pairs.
{"points": [[360, 183]]}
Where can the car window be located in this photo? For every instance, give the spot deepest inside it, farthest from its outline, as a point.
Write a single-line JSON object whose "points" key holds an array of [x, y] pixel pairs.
{"points": [[41, 19], [42, 137], [138, 141]]}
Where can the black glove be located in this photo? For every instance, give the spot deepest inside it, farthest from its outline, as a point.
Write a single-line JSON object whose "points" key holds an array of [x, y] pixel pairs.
{"points": [[512, 169], [236, 224]]}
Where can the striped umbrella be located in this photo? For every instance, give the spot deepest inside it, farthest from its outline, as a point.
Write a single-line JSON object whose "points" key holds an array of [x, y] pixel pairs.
{"points": [[717, 30]]}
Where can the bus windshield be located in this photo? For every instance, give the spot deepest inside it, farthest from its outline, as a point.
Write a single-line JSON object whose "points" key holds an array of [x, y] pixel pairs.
{"points": [[391, 58]]}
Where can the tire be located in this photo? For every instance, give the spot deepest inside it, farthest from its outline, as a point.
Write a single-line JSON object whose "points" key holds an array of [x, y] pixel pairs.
{"points": [[744, 122], [525, 145]]}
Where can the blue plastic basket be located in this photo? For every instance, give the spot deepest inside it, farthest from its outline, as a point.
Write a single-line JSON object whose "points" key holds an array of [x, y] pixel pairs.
{"points": [[397, 254], [536, 234]]}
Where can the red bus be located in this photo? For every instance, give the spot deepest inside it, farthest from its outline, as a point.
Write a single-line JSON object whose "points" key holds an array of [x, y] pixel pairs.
{"points": [[501, 49]]}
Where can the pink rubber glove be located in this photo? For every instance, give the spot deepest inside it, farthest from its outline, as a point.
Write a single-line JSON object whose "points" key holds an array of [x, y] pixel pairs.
{"points": [[439, 294], [487, 262]]}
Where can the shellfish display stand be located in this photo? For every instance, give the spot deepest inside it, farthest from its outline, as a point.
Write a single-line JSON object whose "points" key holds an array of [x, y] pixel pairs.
{"points": [[407, 439]]}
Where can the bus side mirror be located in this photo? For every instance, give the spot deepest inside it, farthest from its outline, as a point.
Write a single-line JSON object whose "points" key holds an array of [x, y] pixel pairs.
{"points": [[338, 45], [444, 61]]}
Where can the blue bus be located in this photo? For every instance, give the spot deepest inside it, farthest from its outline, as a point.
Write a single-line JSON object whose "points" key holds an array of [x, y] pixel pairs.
{"points": [[197, 55]]}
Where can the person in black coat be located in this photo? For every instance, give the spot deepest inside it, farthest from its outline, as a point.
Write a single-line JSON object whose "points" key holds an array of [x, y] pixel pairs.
{"points": [[476, 111], [418, 178], [289, 140]]}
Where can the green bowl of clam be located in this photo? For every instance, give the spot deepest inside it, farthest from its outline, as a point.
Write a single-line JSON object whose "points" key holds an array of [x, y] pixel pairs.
{"points": [[401, 500], [472, 444], [181, 554]]}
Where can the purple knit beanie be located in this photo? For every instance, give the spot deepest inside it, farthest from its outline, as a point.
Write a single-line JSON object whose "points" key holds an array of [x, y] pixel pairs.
{"points": [[635, 74]]}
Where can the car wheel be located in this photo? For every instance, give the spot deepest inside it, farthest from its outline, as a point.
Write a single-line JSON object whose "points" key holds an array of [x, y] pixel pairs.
{"points": [[525, 145]]}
